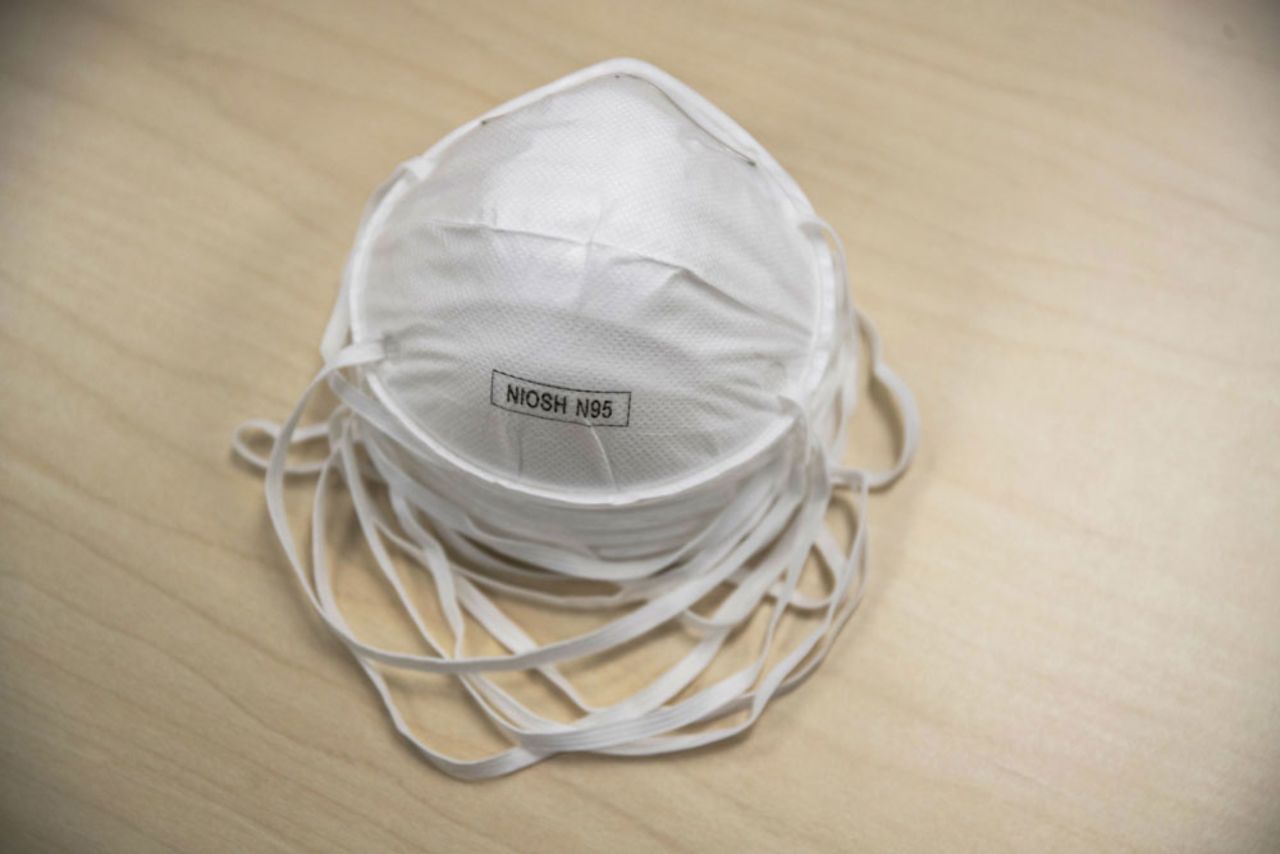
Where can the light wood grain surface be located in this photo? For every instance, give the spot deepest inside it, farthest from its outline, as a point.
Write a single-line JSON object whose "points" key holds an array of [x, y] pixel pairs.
{"points": [[1066, 220]]}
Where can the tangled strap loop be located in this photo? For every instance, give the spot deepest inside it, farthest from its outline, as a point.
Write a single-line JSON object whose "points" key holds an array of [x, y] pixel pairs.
{"points": [[757, 545]]}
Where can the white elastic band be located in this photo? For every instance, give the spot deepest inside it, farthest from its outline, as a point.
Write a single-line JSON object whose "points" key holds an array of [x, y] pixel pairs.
{"points": [[772, 534]]}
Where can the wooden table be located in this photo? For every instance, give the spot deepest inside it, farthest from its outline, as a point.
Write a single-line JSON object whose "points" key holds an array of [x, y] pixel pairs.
{"points": [[1066, 221]]}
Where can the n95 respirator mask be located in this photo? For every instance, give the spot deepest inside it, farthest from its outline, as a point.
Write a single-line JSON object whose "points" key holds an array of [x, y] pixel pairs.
{"points": [[597, 336]]}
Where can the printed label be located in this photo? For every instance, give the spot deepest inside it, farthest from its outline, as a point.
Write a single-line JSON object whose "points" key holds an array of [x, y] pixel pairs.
{"points": [[559, 403]]}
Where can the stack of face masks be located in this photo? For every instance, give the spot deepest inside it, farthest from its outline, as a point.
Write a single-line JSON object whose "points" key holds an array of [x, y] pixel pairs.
{"points": [[597, 335]]}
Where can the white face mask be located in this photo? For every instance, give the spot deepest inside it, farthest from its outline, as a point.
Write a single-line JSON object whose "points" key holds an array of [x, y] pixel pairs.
{"points": [[598, 333]]}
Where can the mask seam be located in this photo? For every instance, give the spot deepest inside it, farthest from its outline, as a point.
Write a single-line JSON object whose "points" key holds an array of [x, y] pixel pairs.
{"points": [[642, 256]]}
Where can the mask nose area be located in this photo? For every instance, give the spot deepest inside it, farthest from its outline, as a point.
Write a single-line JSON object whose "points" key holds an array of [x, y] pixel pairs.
{"points": [[591, 294]]}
